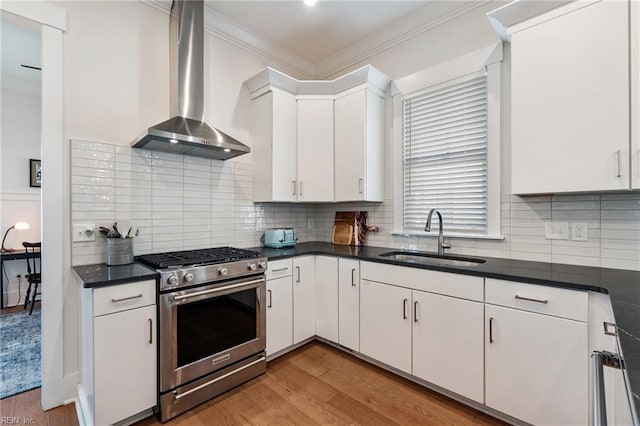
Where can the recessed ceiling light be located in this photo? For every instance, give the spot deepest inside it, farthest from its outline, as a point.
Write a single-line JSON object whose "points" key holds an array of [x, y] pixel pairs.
{"points": [[227, 150], [173, 141], [310, 2]]}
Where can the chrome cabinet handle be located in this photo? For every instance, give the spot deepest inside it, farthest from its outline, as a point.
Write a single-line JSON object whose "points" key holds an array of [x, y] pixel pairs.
{"points": [[353, 277], [545, 301], [360, 185], [280, 269], [150, 331], [619, 167], [298, 269], [126, 298], [491, 330], [269, 305], [415, 311], [404, 308], [293, 192]]}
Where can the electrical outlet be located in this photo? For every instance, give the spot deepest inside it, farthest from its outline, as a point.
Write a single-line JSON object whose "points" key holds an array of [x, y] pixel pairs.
{"points": [[579, 232], [84, 232], [556, 230]]}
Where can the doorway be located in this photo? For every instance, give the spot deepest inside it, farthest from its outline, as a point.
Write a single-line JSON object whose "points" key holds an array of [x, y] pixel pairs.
{"points": [[20, 203]]}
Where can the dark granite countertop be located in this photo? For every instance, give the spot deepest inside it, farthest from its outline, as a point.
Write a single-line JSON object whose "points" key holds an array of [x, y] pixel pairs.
{"points": [[622, 286], [101, 275]]}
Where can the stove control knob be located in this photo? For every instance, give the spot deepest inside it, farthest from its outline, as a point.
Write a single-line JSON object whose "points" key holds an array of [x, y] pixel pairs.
{"points": [[188, 277], [252, 266], [223, 271], [262, 265], [172, 280]]}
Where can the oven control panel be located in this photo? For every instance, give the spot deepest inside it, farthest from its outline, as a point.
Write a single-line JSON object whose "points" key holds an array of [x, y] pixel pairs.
{"points": [[176, 278]]}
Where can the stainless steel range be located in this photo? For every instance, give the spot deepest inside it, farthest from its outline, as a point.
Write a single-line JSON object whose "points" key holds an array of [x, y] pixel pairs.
{"points": [[212, 322]]}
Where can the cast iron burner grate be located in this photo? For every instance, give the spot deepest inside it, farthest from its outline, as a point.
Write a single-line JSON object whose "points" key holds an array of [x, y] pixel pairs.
{"points": [[196, 257]]}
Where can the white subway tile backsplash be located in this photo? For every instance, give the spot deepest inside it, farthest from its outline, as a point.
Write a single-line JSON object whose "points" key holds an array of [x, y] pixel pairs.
{"points": [[181, 202]]}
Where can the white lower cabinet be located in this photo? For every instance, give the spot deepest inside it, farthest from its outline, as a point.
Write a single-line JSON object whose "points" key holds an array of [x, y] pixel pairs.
{"points": [[131, 332], [327, 298], [448, 343], [118, 352], [349, 303], [304, 300], [279, 314], [385, 324], [537, 366]]}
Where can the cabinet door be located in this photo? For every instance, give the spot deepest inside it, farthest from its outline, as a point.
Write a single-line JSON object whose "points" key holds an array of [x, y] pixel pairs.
{"points": [[349, 303], [327, 297], [359, 130], [537, 367], [315, 150], [385, 324], [125, 357], [274, 134], [304, 306], [279, 314], [570, 102], [448, 343]]}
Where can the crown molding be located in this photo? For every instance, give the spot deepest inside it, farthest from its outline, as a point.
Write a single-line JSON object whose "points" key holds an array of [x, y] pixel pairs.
{"points": [[387, 38], [393, 35], [228, 30]]}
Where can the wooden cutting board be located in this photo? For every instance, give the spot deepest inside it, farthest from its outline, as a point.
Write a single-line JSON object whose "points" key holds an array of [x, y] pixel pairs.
{"points": [[342, 234]]}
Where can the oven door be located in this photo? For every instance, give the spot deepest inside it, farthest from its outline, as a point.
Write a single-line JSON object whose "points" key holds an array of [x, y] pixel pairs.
{"points": [[206, 328]]}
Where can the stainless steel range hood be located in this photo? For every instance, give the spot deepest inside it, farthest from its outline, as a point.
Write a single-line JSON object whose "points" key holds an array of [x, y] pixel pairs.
{"points": [[187, 133]]}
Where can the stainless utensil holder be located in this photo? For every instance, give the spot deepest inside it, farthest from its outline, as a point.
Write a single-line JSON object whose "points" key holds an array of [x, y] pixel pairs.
{"points": [[119, 251]]}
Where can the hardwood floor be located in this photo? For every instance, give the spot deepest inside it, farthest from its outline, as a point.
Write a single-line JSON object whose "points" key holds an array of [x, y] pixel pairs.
{"points": [[318, 384], [26, 407], [314, 385], [18, 308]]}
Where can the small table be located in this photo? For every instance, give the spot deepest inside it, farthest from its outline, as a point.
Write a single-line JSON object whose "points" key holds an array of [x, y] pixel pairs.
{"points": [[12, 255]]}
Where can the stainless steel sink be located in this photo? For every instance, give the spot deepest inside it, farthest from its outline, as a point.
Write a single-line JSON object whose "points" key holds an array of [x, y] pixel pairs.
{"points": [[433, 259]]}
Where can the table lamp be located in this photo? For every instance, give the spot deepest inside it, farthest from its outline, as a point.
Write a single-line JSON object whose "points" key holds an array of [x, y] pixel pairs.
{"points": [[19, 226]]}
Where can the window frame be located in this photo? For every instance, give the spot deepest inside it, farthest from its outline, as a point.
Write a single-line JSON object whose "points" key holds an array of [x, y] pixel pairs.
{"points": [[489, 60]]}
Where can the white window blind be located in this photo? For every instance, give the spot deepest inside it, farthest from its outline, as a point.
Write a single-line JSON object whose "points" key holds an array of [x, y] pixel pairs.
{"points": [[445, 157]]}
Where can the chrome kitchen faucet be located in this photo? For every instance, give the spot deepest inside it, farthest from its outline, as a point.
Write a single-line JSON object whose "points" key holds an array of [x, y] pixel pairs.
{"points": [[427, 228]]}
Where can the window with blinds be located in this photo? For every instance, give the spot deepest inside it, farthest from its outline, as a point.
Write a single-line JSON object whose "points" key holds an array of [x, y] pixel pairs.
{"points": [[445, 157]]}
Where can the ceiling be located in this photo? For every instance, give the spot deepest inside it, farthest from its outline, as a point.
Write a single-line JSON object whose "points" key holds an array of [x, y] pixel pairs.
{"points": [[319, 31], [20, 44]]}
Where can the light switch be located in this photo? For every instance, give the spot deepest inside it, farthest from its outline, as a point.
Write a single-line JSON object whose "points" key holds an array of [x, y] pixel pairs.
{"points": [[84, 232], [556, 230]]}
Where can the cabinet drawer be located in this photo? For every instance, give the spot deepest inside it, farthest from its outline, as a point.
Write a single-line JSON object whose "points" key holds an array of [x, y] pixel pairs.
{"points": [[279, 268], [445, 283], [559, 302], [108, 300]]}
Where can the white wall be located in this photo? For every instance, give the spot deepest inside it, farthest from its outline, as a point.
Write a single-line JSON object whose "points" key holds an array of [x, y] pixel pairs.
{"points": [[19, 142]]}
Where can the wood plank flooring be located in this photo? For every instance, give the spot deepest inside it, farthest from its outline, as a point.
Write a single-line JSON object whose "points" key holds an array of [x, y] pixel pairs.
{"points": [[318, 385], [26, 407], [314, 385]]}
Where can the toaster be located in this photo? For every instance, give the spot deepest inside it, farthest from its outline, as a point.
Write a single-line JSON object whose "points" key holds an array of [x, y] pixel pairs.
{"points": [[280, 237]]}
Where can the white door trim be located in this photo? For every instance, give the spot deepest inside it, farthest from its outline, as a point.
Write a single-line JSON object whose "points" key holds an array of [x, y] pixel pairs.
{"points": [[56, 387]]}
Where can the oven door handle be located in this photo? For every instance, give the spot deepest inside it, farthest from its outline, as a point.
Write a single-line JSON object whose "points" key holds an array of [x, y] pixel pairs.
{"points": [[177, 395], [215, 290]]}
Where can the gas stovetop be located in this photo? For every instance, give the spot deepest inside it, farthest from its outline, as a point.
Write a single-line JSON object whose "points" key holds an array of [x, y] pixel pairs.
{"points": [[189, 258], [188, 268]]}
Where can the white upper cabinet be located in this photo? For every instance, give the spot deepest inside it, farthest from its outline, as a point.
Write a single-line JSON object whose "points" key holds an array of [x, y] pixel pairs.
{"points": [[359, 146], [273, 125], [570, 114], [318, 141], [315, 150]]}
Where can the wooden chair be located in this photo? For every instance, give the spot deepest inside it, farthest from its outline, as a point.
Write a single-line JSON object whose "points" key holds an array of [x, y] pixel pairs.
{"points": [[33, 277]]}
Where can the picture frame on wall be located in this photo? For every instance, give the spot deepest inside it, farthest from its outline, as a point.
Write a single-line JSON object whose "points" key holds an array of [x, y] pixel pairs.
{"points": [[35, 173]]}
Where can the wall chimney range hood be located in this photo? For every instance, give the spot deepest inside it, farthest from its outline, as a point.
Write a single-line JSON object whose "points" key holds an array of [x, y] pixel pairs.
{"points": [[187, 133]]}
